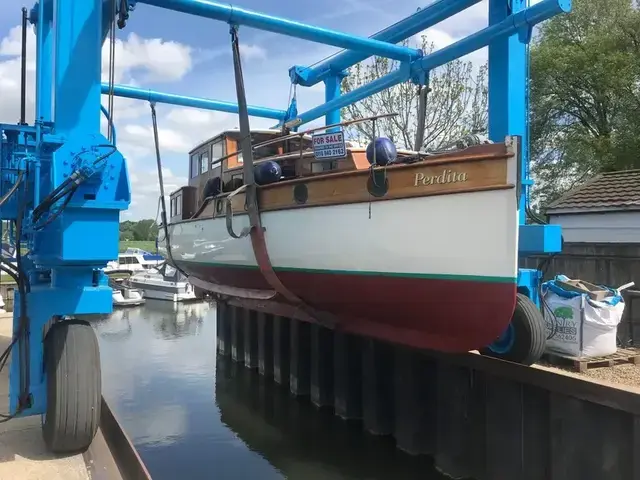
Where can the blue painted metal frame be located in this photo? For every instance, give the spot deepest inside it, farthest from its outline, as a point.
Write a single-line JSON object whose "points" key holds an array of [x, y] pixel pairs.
{"points": [[421, 20], [520, 23], [64, 268], [235, 15], [508, 115], [332, 90], [185, 101]]}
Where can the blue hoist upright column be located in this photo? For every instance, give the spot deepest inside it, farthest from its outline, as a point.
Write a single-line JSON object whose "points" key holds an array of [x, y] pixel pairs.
{"points": [[72, 184], [332, 89], [508, 115]]}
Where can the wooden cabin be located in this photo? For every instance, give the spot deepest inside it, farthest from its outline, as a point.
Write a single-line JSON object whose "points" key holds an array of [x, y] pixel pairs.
{"points": [[207, 174]]}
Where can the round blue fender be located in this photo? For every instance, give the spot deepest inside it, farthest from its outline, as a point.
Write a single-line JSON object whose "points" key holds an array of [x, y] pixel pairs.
{"points": [[385, 150], [267, 172]]}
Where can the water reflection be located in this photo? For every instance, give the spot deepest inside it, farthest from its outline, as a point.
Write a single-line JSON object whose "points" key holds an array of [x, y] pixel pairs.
{"points": [[195, 416], [174, 320], [301, 441]]}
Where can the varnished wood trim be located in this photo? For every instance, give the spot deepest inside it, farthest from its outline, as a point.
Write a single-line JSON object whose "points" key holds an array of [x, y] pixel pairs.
{"points": [[240, 210], [209, 210], [428, 162], [404, 181], [463, 175]]}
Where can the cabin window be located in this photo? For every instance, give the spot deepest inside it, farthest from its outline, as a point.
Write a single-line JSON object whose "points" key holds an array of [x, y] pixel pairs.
{"points": [[128, 260], [217, 152], [195, 166], [204, 162], [178, 205], [237, 176], [293, 145], [172, 207], [266, 151]]}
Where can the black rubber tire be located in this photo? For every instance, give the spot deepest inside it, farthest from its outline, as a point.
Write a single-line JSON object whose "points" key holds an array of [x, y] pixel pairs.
{"points": [[74, 387], [530, 334]]}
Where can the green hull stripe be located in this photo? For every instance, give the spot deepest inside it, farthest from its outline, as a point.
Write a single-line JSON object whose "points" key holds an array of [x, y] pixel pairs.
{"points": [[463, 278]]}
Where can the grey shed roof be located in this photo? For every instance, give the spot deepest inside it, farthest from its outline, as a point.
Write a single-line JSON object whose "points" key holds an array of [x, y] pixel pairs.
{"points": [[607, 191]]}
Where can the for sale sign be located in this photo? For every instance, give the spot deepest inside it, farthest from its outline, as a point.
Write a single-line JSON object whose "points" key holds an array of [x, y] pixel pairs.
{"points": [[329, 145]]}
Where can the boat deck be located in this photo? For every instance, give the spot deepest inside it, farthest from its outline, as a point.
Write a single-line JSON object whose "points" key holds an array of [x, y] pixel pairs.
{"points": [[23, 455]]}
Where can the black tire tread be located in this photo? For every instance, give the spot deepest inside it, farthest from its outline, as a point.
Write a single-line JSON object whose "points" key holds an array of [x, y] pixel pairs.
{"points": [[529, 323], [537, 329], [74, 387]]}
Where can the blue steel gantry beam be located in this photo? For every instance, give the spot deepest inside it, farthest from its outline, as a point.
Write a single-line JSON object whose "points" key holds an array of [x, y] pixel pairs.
{"points": [[331, 70], [240, 16], [518, 23], [413, 24], [185, 101]]}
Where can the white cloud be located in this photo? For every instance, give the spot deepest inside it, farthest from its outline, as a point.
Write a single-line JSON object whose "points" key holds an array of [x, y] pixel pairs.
{"points": [[137, 61], [439, 38], [10, 49], [11, 45], [252, 52], [156, 59]]}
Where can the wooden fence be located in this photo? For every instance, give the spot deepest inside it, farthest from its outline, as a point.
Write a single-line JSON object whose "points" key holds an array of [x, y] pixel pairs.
{"points": [[605, 264]]}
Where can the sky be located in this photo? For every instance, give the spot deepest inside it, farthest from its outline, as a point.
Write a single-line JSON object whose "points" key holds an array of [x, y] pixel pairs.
{"points": [[179, 53]]}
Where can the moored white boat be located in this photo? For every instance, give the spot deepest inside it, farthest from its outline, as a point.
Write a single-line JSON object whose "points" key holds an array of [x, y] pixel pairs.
{"points": [[163, 283], [123, 295], [134, 260], [127, 297]]}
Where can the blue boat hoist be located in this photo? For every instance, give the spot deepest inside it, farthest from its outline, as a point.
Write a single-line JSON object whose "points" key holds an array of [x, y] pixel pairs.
{"points": [[63, 184]]}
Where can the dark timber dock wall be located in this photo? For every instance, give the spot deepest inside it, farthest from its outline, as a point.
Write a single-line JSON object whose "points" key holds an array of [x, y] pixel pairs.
{"points": [[476, 417]]}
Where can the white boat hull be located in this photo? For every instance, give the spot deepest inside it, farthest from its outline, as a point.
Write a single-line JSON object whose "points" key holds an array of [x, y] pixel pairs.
{"points": [[467, 234], [127, 297], [159, 289]]}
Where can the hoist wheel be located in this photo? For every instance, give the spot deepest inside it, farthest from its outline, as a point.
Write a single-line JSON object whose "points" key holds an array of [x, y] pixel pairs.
{"points": [[524, 340], [74, 387]]}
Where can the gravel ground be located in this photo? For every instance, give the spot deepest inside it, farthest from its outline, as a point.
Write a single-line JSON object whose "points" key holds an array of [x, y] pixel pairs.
{"points": [[624, 374]]}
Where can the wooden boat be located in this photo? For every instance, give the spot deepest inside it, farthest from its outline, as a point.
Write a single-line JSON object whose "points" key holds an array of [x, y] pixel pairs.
{"points": [[422, 252]]}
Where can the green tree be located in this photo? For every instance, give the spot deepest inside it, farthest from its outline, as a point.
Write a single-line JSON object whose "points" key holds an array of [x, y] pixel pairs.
{"points": [[585, 100], [126, 230], [143, 230], [456, 104]]}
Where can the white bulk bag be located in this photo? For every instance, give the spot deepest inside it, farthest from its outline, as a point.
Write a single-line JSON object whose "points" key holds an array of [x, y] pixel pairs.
{"points": [[579, 326]]}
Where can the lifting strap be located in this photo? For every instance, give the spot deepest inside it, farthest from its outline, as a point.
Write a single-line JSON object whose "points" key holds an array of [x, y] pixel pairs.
{"points": [[423, 92], [256, 230], [163, 203]]}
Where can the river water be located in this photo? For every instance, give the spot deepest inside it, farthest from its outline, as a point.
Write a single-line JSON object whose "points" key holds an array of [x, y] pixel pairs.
{"points": [[194, 416]]}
